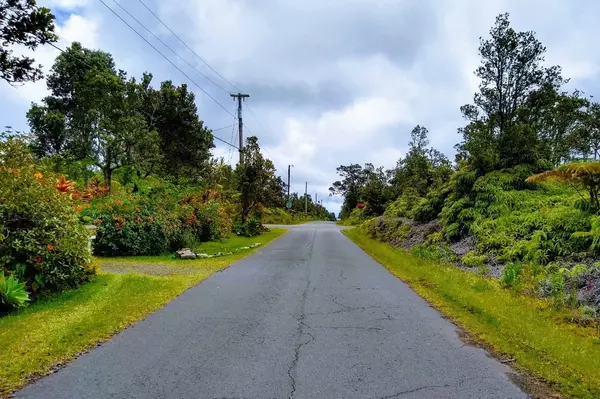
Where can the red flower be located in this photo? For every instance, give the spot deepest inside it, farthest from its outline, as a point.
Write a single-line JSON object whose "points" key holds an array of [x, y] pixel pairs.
{"points": [[118, 226], [38, 260]]}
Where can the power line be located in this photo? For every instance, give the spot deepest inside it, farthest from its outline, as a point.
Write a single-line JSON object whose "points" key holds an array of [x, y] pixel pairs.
{"points": [[260, 124], [222, 128], [93, 67], [205, 63], [169, 47], [188, 47], [167, 59], [231, 140]]}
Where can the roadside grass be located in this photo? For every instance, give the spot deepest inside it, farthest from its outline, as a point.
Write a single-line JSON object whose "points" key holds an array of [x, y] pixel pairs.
{"points": [[530, 330], [51, 332]]}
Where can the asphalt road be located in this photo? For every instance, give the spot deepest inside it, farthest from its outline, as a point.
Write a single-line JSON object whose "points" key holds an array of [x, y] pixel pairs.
{"points": [[309, 316]]}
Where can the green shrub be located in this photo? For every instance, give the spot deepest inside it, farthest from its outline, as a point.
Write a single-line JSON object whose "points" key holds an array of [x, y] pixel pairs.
{"points": [[404, 205], [433, 252], [157, 220], [42, 242], [357, 216], [511, 275], [471, 259], [253, 227], [12, 293]]}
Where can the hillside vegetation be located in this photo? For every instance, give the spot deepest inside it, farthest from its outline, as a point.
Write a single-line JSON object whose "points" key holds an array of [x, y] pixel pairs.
{"points": [[519, 203]]}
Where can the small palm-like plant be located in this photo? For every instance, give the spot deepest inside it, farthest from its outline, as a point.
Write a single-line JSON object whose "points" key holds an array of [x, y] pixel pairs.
{"points": [[12, 293], [586, 174]]}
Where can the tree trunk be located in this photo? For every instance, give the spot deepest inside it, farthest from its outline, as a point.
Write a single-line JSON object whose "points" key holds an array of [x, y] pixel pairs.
{"points": [[108, 177]]}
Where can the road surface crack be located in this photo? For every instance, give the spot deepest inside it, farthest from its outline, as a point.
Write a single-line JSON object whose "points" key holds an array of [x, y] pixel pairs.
{"points": [[301, 324], [397, 395]]}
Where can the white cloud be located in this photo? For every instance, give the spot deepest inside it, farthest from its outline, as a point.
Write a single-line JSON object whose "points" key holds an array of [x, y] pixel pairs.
{"points": [[64, 4]]}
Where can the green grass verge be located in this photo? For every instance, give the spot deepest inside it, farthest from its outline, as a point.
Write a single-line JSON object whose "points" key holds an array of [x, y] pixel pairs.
{"points": [[530, 330], [51, 332]]}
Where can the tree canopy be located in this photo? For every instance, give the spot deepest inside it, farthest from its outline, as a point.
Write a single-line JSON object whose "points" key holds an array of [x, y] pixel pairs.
{"points": [[22, 23]]}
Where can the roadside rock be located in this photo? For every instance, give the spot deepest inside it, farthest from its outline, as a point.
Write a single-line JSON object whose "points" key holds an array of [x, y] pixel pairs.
{"points": [[419, 232], [186, 253], [464, 246], [203, 256]]}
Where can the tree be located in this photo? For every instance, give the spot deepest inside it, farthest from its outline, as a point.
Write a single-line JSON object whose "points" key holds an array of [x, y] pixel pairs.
{"points": [[253, 176], [59, 124], [511, 71], [353, 178], [185, 142], [22, 23], [119, 135], [422, 168]]}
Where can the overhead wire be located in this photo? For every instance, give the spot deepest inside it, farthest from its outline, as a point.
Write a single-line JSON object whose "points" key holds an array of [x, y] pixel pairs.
{"points": [[167, 59], [231, 139], [208, 65], [188, 47], [169, 47], [93, 67], [187, 62]]}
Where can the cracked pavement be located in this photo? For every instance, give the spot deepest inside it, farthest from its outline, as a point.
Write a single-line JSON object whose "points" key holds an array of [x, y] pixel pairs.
{"points": [[309, 316]]}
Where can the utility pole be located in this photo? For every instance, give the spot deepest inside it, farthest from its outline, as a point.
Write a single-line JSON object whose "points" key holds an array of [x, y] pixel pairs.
{"points": [[316, 200], [306, 198], [288, 185], [240, 97]]}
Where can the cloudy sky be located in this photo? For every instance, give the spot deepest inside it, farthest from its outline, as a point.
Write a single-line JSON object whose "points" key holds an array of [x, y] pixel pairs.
{"points": [[331, 82]]}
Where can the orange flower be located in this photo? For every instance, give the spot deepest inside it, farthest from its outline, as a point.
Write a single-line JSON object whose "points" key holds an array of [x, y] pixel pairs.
{"points": [[118, 202], [50, 247], [63, 185], [139, 219], [150, 218], [38, 175]]}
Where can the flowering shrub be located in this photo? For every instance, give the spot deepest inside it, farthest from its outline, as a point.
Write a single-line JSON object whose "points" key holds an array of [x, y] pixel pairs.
{"points": [[41, 241], [156, 221]]}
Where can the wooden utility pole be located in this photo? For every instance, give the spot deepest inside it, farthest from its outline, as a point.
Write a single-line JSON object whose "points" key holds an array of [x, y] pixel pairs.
{"points": [[288, 185], [306, 198], [239, 97]]}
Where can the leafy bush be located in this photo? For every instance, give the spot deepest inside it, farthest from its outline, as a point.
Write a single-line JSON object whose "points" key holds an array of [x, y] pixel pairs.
{"points": [[253, 227], [404, 205], [434, 252], [471, 259], [157, 221], [42, 242], [12, 293], [511, 275], [357, 216]]}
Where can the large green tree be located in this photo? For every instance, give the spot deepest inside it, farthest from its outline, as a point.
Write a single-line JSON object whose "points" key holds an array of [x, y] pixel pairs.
{"points": [[92, 114], [22, 23], [511, 71], [253, 177], [185, 142], [60, 122]]}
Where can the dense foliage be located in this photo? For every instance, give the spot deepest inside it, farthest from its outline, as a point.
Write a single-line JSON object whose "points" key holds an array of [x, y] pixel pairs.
{"points": [[42, 242], [22, 23], [523, 195]]}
